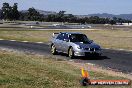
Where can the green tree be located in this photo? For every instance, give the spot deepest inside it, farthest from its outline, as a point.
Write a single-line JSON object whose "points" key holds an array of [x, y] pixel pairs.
{"points": [[10, 13], [0, 14], [33, 14], [15, 12], [51, 18], [60, 16], [6, 11], [115, 19], [61, 13], [70, 18], [112, 22]]}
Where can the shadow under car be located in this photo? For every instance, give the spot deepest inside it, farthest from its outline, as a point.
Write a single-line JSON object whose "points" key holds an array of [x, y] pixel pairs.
{"points": [[88, 57]]}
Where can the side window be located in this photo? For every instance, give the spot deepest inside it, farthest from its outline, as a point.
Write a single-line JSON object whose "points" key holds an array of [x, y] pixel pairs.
{"points": [[60, 36]]}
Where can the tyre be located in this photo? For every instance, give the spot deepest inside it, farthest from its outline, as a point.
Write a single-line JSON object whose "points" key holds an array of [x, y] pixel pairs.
{"points": [[53, 50], [71, 53]]}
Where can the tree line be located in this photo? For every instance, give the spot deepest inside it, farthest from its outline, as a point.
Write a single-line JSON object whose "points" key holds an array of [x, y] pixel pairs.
{"points": [[11, 13]]}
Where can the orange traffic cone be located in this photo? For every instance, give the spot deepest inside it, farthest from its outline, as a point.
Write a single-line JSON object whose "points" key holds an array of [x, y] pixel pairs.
{"points": [[85, 78]]}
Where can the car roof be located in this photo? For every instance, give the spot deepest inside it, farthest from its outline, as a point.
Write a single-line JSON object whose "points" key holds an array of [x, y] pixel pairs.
{"points": [[71, 32]]}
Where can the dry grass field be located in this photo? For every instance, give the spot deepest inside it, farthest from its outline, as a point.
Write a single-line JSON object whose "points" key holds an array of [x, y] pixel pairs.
{"points": [[20, 70]]}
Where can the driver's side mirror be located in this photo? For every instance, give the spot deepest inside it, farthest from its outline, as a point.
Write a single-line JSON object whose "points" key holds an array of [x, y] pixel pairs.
{"points": [[66, 40]]}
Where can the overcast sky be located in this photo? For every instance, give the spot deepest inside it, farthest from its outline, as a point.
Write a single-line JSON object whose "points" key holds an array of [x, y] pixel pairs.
{"points": [[78, 7]]}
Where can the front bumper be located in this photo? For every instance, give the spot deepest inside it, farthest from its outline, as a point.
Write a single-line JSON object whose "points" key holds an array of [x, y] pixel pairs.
{"points": [[86, 53]]}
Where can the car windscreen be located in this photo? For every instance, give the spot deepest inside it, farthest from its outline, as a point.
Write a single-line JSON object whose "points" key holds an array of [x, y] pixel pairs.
{"points": [[79, 38]]}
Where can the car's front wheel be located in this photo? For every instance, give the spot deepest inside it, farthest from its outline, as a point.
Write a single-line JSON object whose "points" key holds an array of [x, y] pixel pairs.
{"points": [[53, 50], [71, 53]]}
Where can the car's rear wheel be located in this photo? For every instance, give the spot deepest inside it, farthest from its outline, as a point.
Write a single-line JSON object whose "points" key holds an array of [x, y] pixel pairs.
{"points": [[53, 50], [71, 53]]}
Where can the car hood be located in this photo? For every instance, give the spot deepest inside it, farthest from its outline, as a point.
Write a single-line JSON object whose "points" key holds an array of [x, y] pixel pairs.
{"points": [[87, 45]]}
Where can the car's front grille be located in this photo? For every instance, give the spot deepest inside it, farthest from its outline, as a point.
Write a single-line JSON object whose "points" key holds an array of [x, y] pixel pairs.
{"points": [[86, 48], [92, 49]]}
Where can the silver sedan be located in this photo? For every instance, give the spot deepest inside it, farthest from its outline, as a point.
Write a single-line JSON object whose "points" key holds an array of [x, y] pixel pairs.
{"points": [[74, 44]]}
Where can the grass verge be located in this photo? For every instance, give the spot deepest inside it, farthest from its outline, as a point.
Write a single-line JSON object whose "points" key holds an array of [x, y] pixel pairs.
{"points": [[18, 70]]}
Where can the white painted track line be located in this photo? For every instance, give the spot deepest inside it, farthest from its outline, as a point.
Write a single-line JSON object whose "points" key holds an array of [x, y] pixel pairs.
{"points": [[121, 49], [40, 42], [24, 41], [1, 39], [130, 50], [106, 48], [12, 40]]}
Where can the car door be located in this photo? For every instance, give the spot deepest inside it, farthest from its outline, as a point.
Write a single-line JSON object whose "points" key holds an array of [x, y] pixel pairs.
{"points": [[58, 42], [65, 43]]}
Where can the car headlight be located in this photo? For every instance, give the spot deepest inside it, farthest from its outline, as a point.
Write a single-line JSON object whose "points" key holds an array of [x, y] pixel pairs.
{"points": [[79, 47]]}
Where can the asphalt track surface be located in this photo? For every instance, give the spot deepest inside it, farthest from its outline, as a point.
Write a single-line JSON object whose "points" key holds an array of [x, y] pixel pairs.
{"points": [[114, 59]]}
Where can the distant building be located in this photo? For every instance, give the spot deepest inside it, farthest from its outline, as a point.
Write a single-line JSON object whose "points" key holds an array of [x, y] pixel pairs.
{"points": [[124, 24], [127, 24]]}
